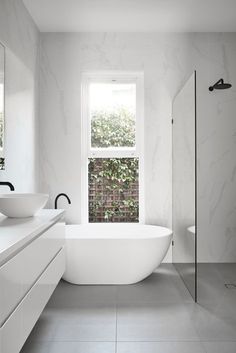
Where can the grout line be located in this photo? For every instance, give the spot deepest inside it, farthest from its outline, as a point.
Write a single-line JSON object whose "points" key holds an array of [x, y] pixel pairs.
{"points": [[186, 341], [176, 341], [213, 341], [145, 341], [74, 340]]}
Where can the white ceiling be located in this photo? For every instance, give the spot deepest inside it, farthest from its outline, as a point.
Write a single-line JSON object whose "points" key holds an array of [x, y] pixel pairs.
{"points": [[133, 15]]}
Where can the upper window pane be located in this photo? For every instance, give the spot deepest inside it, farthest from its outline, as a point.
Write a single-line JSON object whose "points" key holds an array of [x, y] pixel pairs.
{"points": [[112, 114]]}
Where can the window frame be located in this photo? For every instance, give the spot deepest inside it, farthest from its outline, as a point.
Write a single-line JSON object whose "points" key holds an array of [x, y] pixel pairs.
{"points": [[111, 152]]}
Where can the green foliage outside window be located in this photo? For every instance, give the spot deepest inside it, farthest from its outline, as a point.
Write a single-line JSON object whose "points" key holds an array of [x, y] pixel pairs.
{"points": [[113, 182], [115, 129]]}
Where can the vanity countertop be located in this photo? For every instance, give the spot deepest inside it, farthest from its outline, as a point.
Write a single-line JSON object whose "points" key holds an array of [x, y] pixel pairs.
{"points": [[16, 233]]}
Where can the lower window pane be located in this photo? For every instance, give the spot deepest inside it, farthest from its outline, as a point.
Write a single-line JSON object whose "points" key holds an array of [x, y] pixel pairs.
{"points": [[113, 190]]}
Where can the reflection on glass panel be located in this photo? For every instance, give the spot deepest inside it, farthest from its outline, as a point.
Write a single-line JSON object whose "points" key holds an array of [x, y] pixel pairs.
{"points": [[2, 160], [184, 163], [113, 190], [112, 114]]}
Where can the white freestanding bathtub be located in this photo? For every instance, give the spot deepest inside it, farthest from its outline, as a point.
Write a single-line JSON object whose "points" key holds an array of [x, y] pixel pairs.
{"points": [[114, 253]]}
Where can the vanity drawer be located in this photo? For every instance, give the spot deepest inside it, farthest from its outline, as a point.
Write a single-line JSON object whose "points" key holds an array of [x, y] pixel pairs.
{"points": [[19, 274], [18, 326]]}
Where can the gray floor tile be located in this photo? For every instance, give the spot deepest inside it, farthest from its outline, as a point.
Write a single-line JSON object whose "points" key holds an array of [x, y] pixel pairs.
{"points": [[216, 275], [211, 285], [213, 326], [153, 322], [160, 347], [87, 323], [44, 330], [69, 295], [69, 347], [212, 293], [224, 307], [164, 285], [220, 347], [83, 318], [187, 272], [227, 271]]}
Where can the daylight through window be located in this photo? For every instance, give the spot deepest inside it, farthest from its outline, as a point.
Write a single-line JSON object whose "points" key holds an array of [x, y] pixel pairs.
{"points": [[113, 149]]}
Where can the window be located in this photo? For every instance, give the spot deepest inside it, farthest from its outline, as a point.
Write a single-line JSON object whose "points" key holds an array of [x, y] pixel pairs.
{"points": [[112, 148]]}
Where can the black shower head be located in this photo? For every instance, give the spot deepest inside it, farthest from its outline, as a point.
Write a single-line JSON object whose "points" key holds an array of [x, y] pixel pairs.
{"points": [[220, 85]]}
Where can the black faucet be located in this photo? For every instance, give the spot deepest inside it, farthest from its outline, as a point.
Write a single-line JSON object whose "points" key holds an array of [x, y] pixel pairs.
{"points": [[7, 183], [59, 195]]}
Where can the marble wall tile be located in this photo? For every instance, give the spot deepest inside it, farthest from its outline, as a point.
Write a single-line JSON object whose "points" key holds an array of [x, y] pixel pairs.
{"points": [[216, 150], [167, 60]]}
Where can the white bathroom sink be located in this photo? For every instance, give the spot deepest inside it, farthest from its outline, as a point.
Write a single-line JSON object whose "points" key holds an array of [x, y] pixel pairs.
{"points": [[21, 205]]}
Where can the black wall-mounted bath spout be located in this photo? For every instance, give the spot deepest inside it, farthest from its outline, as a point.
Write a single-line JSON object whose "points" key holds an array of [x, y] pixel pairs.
{"points": [[220, 85], [7, 183], [58, 196]]}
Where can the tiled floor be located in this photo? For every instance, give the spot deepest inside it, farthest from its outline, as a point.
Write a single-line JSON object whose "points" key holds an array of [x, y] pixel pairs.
{"points": [[154, 316]]}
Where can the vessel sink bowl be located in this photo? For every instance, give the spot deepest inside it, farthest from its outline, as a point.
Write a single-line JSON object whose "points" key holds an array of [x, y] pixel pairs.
{"points": [[21, 205]]}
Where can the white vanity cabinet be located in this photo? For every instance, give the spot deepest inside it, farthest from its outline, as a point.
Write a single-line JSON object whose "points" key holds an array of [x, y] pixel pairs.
{"points": [[27, 280]]}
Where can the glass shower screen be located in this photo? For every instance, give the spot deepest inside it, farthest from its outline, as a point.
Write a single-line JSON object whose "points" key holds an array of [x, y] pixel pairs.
{"points": [[184, 184]]}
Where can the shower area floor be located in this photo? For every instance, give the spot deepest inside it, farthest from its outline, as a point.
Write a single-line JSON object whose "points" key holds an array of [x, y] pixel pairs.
{"points": [[157, 315]]}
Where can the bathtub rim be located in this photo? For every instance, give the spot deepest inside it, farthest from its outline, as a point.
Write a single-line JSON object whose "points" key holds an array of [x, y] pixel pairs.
{"points": [[148, 231]]}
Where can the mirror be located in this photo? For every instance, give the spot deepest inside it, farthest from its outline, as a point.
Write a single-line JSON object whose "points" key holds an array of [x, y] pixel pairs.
{"points": [[2, 105]]}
